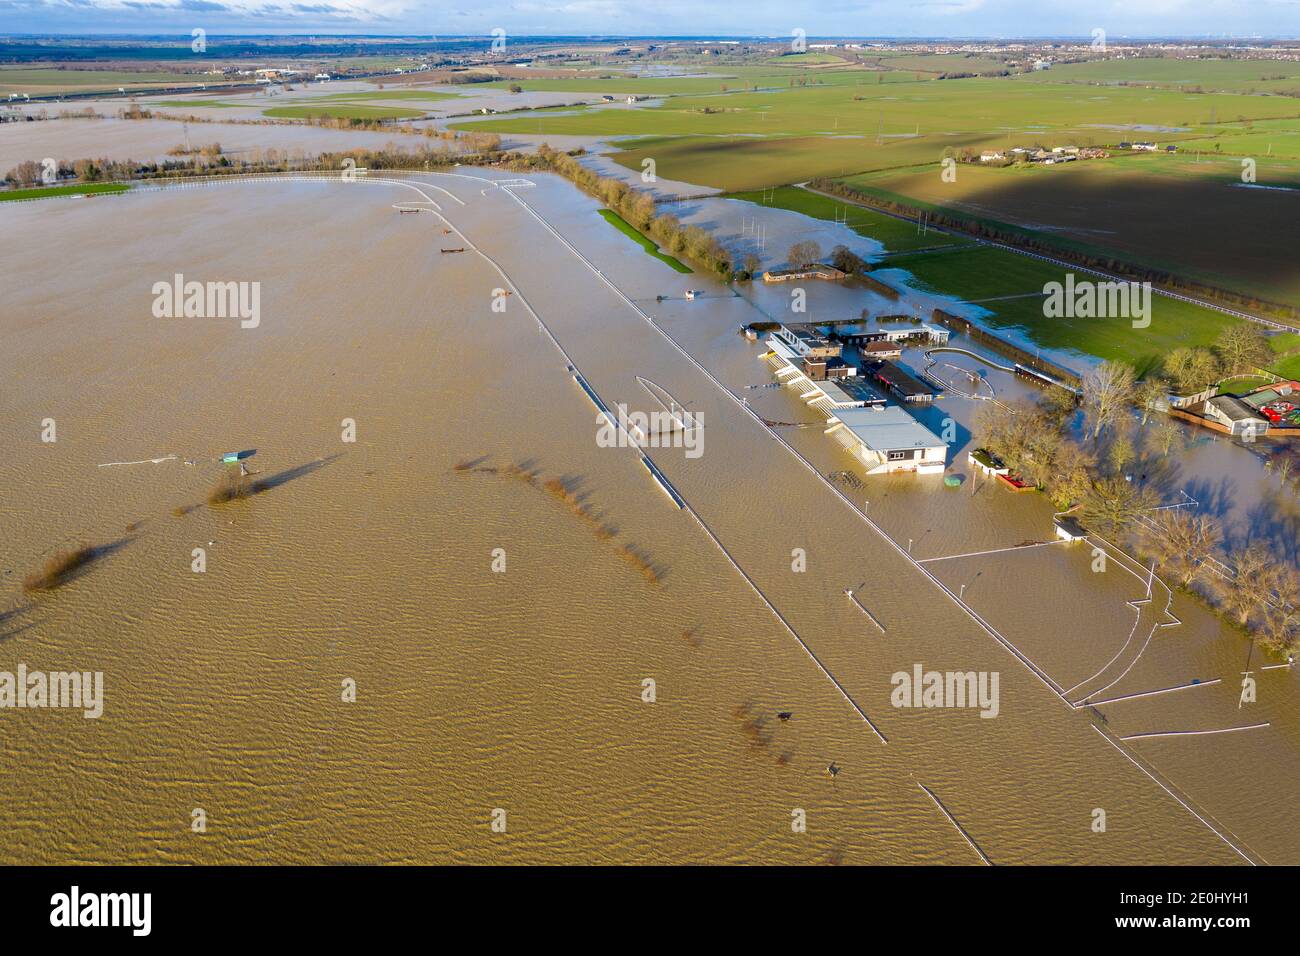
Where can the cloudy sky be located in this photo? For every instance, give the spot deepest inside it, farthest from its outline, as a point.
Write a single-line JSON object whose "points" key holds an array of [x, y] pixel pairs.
{"points": [[967, 18]]}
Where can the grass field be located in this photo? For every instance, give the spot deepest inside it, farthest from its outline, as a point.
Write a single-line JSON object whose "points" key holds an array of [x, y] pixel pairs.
{"points": [[1287, 365], [1264, 140], [47, 192], [623, 226], [746, 140], [937, 63], [860, 106], [731, 80], [804, 59], [1231, 75], [343, 111], [53, 80], [986, 276], [895, 234], [738, 164]]}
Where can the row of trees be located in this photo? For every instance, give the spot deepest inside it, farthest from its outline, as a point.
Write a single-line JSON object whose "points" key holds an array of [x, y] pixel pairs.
{"points": [[208, 161], [1108, 476], [807, 252], [1239, 350], [1259, 593], [486, 142], [637, 207]]}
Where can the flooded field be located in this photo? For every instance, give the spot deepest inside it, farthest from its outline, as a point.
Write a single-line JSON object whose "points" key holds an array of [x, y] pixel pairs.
{"points": [[500, 587], [67, 140]]}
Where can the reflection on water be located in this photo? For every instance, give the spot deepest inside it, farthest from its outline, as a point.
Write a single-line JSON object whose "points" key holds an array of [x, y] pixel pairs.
{"points": [[524, 688]]}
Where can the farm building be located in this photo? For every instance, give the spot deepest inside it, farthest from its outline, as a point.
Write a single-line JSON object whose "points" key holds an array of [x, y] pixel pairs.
{"points": [[1238, 417]]}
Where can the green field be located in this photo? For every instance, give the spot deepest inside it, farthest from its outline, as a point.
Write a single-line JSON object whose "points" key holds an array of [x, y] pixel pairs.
{"points": [[1230, 75], [746, 140], [803, 59], [943, 63], [343, 111], [731, 80], [53, 80], [985, 106], [986, 276], [738, 164], [1288, 366], [1263, 139], [47, 192], [896, 234], [625, 227]]}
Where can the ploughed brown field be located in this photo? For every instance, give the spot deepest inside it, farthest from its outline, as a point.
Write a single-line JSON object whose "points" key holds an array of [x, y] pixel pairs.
{"points": [[1168, 213]]}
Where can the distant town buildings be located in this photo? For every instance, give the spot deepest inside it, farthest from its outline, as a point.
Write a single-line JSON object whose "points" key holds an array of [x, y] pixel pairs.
{"points": [[1038, 154]]}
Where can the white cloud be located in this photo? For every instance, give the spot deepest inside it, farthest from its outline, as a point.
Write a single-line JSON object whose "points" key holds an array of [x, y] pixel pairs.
{"points": [[986, 18]]}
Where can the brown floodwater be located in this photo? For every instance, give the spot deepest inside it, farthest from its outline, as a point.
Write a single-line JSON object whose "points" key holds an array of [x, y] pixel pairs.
{"points": [[522, 690]]}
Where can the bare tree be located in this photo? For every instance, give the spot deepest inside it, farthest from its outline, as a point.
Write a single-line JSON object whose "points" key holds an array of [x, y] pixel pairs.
{"points": [[1243, 348], [1168, 434], [26, 173], [1180, 541], [1191, 369], [1150, 391], [1248, 592], [1107, 391], [1122, 453], [1112, 503], [804, 253], [1279, 628]]}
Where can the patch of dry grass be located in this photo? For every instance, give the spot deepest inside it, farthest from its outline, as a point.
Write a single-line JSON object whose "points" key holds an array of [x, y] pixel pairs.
{"points": [[58, 569], [231, 486], [562, 490]]}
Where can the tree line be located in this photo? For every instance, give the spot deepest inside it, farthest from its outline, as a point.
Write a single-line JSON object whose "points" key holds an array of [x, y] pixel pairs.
{"points": [[209, 161], [636, 207], [1109, 475]]}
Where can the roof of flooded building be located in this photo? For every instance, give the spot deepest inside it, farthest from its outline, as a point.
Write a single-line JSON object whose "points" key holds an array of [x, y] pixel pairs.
{"points": [[889, 428], [806, 333], [859, 390], [1234, 408], [900, 380]]}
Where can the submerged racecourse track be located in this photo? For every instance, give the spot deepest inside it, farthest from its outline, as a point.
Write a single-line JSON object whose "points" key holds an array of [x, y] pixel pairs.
{"points": [[920, 604], [468, 677]]}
